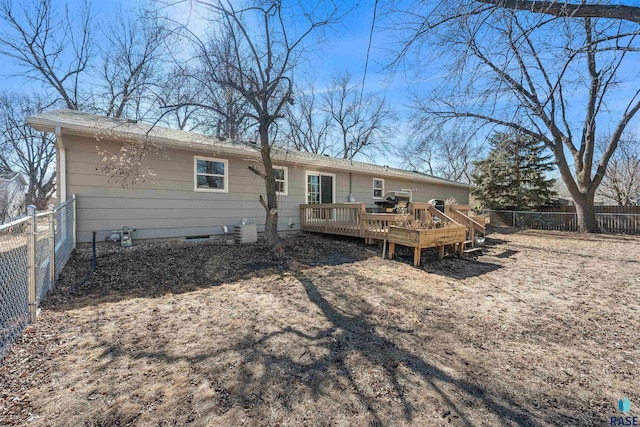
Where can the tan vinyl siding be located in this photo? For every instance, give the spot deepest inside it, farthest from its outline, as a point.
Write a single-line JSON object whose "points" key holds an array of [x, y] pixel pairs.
{"points": [[166, 206], [362, 188]]}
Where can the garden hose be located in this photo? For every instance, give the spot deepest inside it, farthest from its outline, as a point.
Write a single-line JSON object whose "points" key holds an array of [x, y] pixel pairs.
{"points": [[93, 266]]}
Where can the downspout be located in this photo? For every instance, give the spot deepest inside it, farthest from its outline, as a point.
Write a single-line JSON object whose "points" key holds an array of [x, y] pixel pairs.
{"points": [[350, 197], [62, 172]]}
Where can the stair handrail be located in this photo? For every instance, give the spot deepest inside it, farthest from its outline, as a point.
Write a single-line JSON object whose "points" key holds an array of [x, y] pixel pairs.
{"points": [[442, 215], [479, 226]]}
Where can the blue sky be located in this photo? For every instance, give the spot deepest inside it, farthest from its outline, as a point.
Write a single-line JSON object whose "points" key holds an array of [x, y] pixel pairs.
{"points": [[346, 51]]}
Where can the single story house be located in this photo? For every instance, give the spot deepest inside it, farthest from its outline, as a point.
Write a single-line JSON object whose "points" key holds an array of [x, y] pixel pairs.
{"points": [[202, 183], [13, 188]]}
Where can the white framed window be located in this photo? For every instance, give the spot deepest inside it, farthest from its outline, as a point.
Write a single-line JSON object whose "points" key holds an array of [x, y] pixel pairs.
{"points": [[378, 188], [210, 174], [282, 179]]}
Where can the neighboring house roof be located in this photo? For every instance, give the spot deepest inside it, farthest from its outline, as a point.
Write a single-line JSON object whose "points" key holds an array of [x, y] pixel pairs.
{"points": [[99, 127], [11, 176]]}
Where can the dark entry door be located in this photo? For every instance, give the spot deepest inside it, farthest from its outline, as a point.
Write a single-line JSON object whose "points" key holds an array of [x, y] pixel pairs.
{"points": [[326, 189]]}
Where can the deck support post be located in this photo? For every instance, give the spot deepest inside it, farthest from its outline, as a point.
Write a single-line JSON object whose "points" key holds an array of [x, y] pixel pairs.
{"points": [[416, 257]]}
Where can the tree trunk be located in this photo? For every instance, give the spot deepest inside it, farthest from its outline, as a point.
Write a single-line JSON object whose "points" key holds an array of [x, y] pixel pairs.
{"points": [[586, 213], [271, 206], [582, 193], [271, 234]]}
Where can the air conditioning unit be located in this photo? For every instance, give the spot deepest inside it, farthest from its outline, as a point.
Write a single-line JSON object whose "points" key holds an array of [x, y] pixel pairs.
{"points": [[246, 233]]}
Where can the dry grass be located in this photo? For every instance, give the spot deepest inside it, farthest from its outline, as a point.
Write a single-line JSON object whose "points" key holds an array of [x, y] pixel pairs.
{"points": [[543, 330]]}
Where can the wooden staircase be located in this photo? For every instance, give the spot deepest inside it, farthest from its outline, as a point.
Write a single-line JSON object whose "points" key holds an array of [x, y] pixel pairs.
{"points": [[461, 214]]}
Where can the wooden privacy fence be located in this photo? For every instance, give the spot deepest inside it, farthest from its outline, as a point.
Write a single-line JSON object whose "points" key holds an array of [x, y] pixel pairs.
{"points": [[619, 223], [625, 223]]}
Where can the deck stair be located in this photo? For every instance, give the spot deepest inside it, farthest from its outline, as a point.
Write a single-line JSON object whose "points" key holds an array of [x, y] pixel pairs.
{"points": [[475, 225], [468, 249]]}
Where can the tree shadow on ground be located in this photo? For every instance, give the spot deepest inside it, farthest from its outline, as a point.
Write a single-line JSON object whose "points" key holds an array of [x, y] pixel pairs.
{"points": [[491, 242], [350, 332], [507, 253], [380, 350], [451, 265], [461, 269], [154, 270]]}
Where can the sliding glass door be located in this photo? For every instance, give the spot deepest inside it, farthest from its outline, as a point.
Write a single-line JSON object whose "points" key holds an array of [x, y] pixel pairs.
{"points": [[320, 189]]}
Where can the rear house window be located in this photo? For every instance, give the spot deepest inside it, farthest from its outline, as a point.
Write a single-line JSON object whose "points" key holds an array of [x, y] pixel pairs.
{"points": [[280, 173], [211, 174], [378, 188]]}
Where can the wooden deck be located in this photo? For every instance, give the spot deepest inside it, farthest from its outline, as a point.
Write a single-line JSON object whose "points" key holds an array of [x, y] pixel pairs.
{"points": [[352, 219]]}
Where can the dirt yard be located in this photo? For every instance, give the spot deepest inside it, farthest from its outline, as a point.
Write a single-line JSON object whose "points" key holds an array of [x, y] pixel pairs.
{"points": [[542, 330]]}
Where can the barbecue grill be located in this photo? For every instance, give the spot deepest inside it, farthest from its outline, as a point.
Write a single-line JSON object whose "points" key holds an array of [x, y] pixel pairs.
{"points": [[395, 201]]}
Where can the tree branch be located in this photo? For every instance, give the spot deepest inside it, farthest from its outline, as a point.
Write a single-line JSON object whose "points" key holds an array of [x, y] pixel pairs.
{"points": [[569, 10]]}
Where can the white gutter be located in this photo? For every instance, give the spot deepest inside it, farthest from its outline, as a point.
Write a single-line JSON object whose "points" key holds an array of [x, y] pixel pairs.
{"points": [[62, 173], [46, 125]]}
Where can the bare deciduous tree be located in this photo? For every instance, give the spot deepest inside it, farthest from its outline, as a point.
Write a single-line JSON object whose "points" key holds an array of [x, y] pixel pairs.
{"points": [[25, 150], [228, 110], [363, 123], [265, 47], [621, 182], [529, 72], [49, 45], [448, 154], [193, 97], [308, 126], [176, 97], [132, 56]]}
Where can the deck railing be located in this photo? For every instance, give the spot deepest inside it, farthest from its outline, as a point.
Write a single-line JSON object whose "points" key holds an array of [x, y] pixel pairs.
{"points": [[466, 210], [376, 225], [351, 219], [419, 211], [333, 218]]}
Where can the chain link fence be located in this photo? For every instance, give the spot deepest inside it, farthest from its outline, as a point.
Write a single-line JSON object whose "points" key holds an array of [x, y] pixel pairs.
{"points": [[14, 267], [33, 251], [624, 223]]}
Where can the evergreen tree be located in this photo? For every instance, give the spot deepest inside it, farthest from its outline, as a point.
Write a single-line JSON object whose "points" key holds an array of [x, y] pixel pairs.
{"points": [[513, 176]]}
